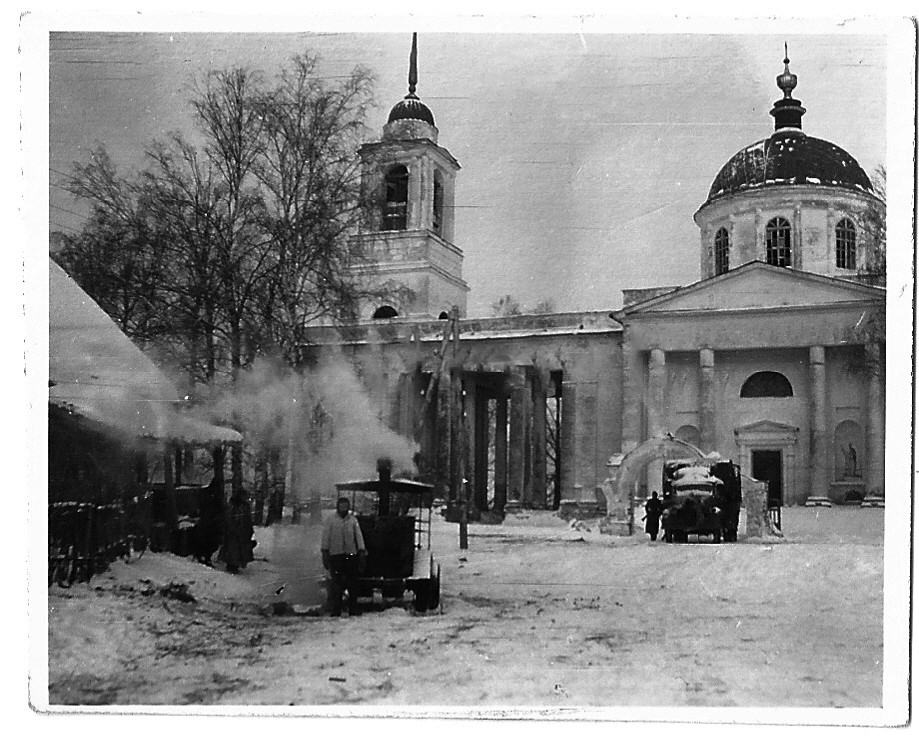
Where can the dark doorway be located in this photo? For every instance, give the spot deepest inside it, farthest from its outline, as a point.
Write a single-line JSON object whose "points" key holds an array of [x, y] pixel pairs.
{"points": [[767, 467]]}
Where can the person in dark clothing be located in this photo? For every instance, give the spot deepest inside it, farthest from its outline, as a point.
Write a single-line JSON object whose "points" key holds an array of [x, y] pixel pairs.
{"points": [[343, 556], [237, 539], [653, 510], [209, 530]]}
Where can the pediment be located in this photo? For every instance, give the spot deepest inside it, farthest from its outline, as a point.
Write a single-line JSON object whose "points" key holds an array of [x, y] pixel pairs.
{"points": [[765, 427], [758, 285]]}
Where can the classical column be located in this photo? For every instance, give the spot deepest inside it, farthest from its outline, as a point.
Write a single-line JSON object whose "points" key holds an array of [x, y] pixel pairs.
{"points": [[569, 443], [468, 465], [516, 453], [707, 266], [406, 405], [501, 452], [538, 436], [527, 399], [708, 437], [734, 257], [631, 396], [416, 175], [819, 485], [442, 452], [657, 387], [458, 443], [874, 428], [479, 450]]}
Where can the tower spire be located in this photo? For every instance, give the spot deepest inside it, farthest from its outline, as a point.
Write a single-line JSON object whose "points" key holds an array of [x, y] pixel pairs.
{"points": [[787, 111], [413, 67]]}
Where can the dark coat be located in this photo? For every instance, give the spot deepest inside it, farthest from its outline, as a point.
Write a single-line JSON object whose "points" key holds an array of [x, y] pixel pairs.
{"points": [[237, 537], [209, 530], [653, 510]]}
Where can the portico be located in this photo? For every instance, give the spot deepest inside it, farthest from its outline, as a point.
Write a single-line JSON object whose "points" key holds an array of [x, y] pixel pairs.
{"points": [[741, 360]]}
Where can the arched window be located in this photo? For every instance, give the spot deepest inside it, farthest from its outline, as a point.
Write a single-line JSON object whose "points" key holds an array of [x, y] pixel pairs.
{"points": [[444, 315], [778, 242], [845, 244], [722, 251], [688, 433], [438, 219], [766, 384], [385, 311], [395, 209]]}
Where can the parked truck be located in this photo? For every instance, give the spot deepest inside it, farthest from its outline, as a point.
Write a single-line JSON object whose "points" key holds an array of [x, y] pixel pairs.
{"points": [[701, 497]]}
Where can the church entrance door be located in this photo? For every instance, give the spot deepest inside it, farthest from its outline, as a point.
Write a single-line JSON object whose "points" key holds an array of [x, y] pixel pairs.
{"points": [[766, 465]]}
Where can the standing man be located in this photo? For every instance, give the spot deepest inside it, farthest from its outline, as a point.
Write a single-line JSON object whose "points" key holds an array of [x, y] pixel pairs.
{"points": [[653, 510], [343, 555]]}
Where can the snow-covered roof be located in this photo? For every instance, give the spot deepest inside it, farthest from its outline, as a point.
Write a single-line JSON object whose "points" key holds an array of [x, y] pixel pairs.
{"points": [[97, 372]]}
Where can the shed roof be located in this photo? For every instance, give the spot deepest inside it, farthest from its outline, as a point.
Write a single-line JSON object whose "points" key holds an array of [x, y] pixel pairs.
{"points": [[96, 371]]}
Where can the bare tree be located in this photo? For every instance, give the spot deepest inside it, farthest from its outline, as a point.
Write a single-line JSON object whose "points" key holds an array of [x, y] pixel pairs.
{"points": [[506, 306], [311, 182], [182, 192], [224, 251], [117, 257], [231, 122], [509, 306]]}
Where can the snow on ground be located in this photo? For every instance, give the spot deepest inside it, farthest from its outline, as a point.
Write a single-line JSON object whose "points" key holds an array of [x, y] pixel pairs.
{"points": [[536, 612]]}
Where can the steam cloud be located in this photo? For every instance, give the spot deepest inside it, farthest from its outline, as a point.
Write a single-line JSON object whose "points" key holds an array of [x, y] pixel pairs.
{"points": [[324, 419]]}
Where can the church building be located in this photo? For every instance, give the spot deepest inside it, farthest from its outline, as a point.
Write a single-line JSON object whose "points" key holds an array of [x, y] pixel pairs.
{"points": [[773, 358]]}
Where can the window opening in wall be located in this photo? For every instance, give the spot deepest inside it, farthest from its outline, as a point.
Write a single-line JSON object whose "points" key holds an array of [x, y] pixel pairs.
{"points": [[778, 242], [438, 220], [845, 244], [766, 384], [444, 315], [848, 445], [395, 209], [722, 251], [385, 311]]}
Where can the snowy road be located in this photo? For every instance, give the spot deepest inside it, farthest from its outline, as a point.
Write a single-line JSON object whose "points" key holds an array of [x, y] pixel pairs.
{"points": [[535, 613]]}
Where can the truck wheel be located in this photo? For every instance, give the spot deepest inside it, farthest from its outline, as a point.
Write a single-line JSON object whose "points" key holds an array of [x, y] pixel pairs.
{"points": [[422, 595]]}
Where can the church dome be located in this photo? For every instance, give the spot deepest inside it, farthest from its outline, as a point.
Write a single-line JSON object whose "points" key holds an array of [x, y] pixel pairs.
{"points": [[411, 108], [789, 156]]}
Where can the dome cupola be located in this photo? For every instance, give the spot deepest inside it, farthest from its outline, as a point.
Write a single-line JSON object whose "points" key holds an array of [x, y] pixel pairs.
{"points": [[788, 156], [790, 200], [410, 118]]}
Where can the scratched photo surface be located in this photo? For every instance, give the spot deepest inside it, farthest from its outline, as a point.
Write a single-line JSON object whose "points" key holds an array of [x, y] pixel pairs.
{"points": [[468, 372]]}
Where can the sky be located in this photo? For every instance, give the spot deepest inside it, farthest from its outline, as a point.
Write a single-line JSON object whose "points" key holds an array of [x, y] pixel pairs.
{"points": [[584, 155]]}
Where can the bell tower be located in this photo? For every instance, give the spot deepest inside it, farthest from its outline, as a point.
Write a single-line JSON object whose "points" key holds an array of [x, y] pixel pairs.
{"points": [[408, 237]]}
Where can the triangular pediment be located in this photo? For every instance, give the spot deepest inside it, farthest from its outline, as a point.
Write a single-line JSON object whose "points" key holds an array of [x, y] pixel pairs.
{"points": [[765, 427], [758, 285]]}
